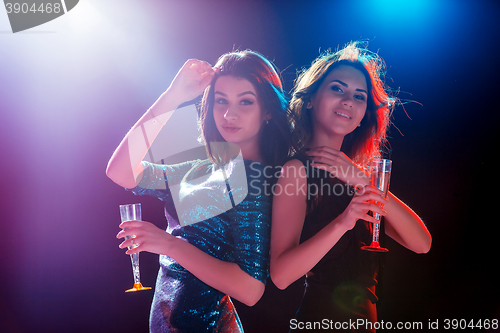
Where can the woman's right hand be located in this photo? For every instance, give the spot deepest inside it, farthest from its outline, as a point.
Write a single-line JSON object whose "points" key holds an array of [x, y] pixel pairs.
{"points": [[191, 80], [146, 237], [368, 198]]}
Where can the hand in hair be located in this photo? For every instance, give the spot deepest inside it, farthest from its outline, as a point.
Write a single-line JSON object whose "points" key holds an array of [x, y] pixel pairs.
{"points": [[124, 167], [191, 80]]}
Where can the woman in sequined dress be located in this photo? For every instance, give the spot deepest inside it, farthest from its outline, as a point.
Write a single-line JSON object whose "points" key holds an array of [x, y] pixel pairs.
{"points": [[218, 209], [341, 109]]}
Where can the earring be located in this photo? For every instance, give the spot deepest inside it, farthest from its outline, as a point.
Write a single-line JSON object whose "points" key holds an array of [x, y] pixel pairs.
{"points": [[267, 122]]}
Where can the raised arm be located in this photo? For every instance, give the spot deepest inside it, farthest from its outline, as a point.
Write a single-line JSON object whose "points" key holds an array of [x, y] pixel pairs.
{"points": [[124, 167], [291, 259]]}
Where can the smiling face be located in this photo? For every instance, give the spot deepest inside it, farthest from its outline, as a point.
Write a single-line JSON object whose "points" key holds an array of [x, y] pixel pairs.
{"points": [[340, 103], [238, 113]]}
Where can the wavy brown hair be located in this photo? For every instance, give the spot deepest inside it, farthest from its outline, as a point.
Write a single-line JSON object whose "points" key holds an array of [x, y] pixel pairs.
{"points": [[367, 140]]}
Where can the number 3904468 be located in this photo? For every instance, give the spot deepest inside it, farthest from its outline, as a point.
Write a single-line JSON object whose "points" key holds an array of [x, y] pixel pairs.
{"points": [[34, 8], [461, 324]]}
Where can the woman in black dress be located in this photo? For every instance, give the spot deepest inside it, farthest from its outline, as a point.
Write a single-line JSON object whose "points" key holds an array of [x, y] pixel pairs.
{"points": [[323, 197]]}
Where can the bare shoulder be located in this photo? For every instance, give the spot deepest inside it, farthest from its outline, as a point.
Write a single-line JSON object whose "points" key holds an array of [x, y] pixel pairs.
{"points": [[294, 169], [292, 183]]}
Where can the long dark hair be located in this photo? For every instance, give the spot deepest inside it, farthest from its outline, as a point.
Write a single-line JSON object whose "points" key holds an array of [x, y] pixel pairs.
{"points": [[275, 137], [367, 140]]}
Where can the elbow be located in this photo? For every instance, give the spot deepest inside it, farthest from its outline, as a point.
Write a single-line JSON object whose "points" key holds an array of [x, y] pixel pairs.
{"points": [[111, 172], [281, 285], [117, 176], [252, 301], [425, 246], [251, 298], [279, 279]]}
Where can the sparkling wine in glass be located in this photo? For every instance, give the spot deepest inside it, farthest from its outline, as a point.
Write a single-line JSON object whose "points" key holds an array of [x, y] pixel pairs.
{"points": [[133, 212], [380, 176]]}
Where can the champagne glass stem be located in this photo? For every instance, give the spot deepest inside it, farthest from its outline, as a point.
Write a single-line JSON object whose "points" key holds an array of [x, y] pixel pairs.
{"points": [[376, 230], [135, 264], [135, 267]]}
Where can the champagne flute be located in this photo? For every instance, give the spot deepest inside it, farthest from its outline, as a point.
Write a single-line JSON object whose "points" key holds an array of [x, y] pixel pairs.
{"points": [[133, 212], [380, 175]]}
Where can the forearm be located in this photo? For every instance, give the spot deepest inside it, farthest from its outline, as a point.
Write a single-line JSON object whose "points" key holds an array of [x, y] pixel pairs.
{"points": [[227, 277], [290, 259], [124, 167], [294, 263], [406, 227]]}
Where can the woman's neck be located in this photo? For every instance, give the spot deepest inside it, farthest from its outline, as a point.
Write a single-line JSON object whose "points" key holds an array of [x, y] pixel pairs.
{"points": [[252, 155], [320, 139]]}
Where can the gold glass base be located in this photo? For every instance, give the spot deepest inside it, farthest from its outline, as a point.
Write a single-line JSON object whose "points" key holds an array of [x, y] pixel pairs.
{"points": [[137, 287]]}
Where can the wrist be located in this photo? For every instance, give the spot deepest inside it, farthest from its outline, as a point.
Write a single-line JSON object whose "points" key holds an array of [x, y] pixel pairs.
{"points": [[344, 222], [362, 179], [171, 246], [173, 98]]}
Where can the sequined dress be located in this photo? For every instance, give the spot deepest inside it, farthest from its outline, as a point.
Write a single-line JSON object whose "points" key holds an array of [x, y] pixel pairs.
{"points": [[341, 286], [230, 231]]}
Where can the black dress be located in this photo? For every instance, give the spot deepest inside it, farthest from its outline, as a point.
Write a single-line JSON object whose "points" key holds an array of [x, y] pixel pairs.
{"points": [[339, 291]]}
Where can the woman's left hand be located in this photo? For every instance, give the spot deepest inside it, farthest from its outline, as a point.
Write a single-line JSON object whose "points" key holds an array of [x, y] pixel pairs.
{"points": [[145, 236], [339, 165]]}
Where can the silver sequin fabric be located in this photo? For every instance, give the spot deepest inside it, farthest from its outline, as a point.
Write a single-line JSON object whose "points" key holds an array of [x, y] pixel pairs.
{"points": [[224, 212]]}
